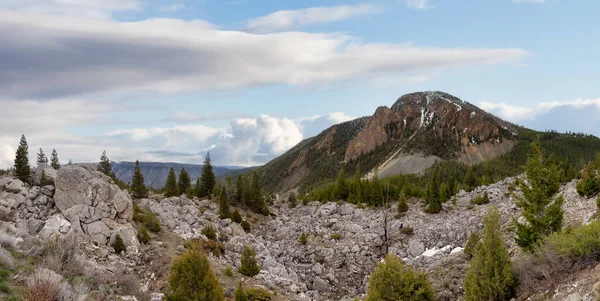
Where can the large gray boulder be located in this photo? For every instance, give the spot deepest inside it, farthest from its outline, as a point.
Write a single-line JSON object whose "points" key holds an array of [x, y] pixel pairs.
{"points": [[17, 186], [49, 172], [92, 202]]}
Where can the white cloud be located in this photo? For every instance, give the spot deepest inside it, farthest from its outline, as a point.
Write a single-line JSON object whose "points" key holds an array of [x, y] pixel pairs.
{"points": [[173, 8], [57, 56], [97, 9], [186, 117], [314, 15], [418, 4], [529, 1]]}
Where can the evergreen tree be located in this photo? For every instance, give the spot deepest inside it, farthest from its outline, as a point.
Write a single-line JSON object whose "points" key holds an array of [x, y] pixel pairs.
{"points": [[223, 205], [138, 188], [256, 201], [22, 168], [392, 281], [292, 200], [432, 197], [104, 165], [54, 160], [542, 211], [341, 186], [248, 264], [198, 188], [239, 294], [207, 179], [41, 158], [239, 189], [402, 205], [171, 188], [490, 276], [184, 181], [191, 279], [70, 162]]}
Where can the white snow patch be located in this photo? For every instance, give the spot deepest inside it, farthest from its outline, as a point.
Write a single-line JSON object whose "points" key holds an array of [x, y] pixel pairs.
{"points": [[422, 116], [404, 122], [457, 250], [452, 102], [473, 114], [433, 251]]}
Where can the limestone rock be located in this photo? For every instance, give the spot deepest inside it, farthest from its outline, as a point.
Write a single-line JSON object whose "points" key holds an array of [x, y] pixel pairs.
{"points": [[17, 186], [320, 285], [55, 225], [415, 247], [49, 172], [47, 190]]}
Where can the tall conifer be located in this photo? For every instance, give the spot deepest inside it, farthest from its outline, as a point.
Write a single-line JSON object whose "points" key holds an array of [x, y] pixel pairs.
{"points": [[22, 168], [138, 188]]}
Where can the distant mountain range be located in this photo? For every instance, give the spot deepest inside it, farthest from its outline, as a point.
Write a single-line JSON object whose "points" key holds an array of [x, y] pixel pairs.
{"points": [[155, 173]]}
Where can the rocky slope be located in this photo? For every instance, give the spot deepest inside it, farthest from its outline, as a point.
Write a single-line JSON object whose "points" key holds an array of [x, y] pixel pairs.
{"points": [[408, 137]]}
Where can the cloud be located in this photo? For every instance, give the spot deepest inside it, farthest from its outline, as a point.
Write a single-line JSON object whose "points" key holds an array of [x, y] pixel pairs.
{"points": [[314, 15], [418, 4], [313, 125], [95, 9], [579, 115], [185, 117], [58, 56], [173, 8], [529, 1]]}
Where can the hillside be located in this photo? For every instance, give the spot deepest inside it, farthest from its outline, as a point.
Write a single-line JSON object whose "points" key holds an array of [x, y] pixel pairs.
{"points": [[418, 130], [155, 173]]}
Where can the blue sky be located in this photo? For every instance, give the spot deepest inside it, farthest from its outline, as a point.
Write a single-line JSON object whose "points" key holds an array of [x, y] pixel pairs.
{"points": [[246, 79]]}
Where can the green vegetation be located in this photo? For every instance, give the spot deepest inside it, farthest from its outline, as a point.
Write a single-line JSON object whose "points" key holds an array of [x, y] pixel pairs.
{"points": [[183, 182], [171, 189], [207, 179], [543, 212], [303, 240], [138, 187], [54, 162], [248, 264], [336, 236], [142, 235], [432, 194], [210, 232], [118, 244], [402, 205], [224, 205], [228, 271], [392, 280], [191, 279], [472, 244], [481, 199], [236, 216], [239, 294], [589, 184], [41, 158], [22, 168], [258, 294], [104, 165], [246, 226], [490, 275], [292, 200], [146, 217]]}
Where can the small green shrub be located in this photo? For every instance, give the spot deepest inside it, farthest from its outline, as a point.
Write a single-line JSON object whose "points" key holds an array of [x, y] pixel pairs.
{"points": [[292, 200], [118, 244], [210, 232], [402, 205], [142, 235], [147, 218], [228, 271], [482, 199], [470, 247], [303, 240], [407, 230], [392, 280], [191, 278], [236, 216], [336, 236], [239, 294], [207, 246], [248, 264], [258, 294], [246, 226]]}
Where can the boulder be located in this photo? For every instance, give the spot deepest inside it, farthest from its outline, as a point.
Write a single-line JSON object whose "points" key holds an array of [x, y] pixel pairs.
{"points": [[55, 225], [49, 172], [33, 193], [415, 247], [320, 285], [17, 186], [47, 190]]}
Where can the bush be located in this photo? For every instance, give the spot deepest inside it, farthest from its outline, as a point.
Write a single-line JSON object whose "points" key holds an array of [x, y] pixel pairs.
{"points": [[7, 240], [482, 199], [208, 246], [6, 259], [142, 235], [471, 245], [246, 226], [588, 186], [336, 236], [490, 275], [191, 278], [118, 244], [239, 294], [303, 240], [258, 294], [407, 230], [392, 280], [210, 232], [147, 218], [44, 285], [228, 271], [248, 264], [402, 205], [236, 216], [292, 200]]}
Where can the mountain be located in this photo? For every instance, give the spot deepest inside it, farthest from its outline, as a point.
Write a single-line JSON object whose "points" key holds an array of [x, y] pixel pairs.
{"points": [[408, 137], [155, 173]]}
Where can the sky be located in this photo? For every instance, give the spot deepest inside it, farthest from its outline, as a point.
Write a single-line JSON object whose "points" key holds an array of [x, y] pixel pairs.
{"points": [[248, 79]]}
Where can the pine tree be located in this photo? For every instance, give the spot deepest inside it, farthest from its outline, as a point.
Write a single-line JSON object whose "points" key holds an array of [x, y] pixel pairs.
{"points": [[207, 179], [54, 160], [138, 188], [198, 188], [41, 158], [184, 181], [490, 276], [239, 189], [402, 205], [239, 294], [257, 203], [191, 278], [104, 165], [248, 264], [223, 205], [171, 188], [292, 200], [432, 197], [22, 168], [341, 186], [542, 211], [392, 280]]}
